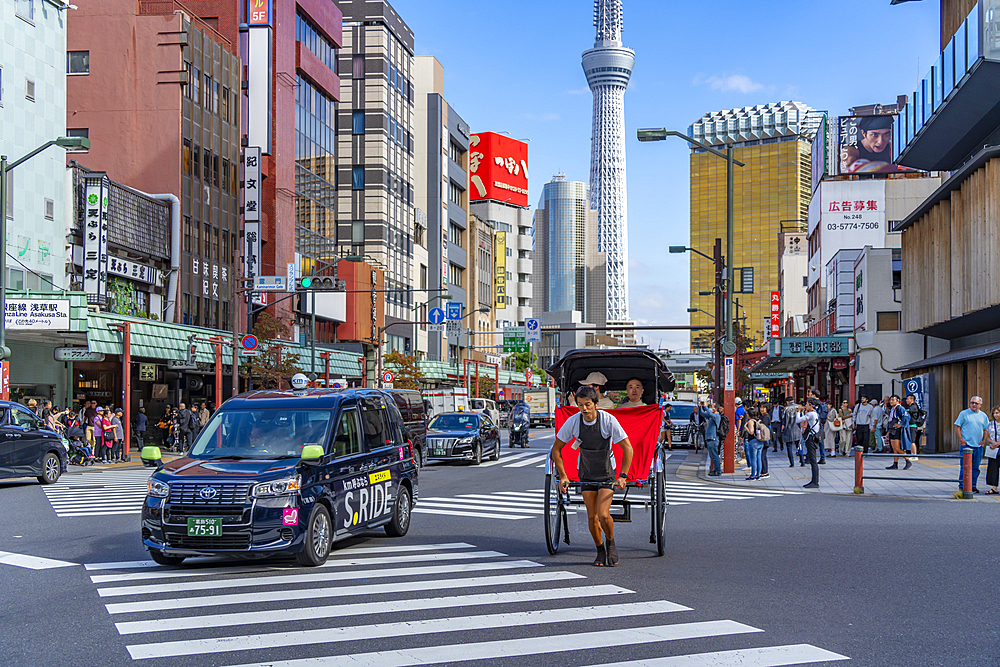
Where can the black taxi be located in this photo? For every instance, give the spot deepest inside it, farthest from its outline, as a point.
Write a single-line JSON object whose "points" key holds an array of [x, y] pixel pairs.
{"points": [[283, 472]]}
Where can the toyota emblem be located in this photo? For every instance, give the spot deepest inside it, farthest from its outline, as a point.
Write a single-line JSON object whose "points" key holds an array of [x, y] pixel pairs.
{"points": [[208, 493]]}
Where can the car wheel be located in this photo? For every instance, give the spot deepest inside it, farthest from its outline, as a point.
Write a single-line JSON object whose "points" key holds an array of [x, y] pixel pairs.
{"points": [[418, 456], [318, 538], [477, 454], [161, 558], [51, 469], [400, 515], [495, 456]]}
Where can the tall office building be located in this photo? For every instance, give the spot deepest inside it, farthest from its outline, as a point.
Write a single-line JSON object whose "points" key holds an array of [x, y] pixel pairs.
{"points": [[774, 188], [569, 271], [608, 67], [375, 150]]}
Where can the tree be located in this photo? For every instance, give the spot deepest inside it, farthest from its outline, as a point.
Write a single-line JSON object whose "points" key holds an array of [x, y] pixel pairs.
{"points": [[274, 362], [483, 386], [405, 370], [528, 359]]}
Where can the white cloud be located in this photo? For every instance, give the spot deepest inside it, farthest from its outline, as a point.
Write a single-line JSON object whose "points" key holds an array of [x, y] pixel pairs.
{"points": [[543, 117], [729, 83]]}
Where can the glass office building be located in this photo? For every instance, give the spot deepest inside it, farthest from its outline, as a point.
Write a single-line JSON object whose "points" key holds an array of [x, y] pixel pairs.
{"points": [[772, 191]]}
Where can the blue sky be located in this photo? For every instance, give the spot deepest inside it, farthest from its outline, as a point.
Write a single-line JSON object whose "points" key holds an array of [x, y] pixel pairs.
{"points": [[515, 66]]}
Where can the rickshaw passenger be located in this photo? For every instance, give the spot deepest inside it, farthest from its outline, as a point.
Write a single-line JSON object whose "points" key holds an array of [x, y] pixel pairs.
{"points": [[597, 381], [595, 432], [634, 390]]}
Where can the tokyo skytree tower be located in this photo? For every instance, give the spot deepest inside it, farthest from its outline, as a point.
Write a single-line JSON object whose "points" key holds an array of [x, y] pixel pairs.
{"points": [[608, 67]]}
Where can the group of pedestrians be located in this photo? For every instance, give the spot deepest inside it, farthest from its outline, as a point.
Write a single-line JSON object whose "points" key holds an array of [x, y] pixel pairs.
{"points": [[180, 426]]}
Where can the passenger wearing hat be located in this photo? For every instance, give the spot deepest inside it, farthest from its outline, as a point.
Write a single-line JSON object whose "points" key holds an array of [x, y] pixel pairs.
{"points": [[597, 381]]}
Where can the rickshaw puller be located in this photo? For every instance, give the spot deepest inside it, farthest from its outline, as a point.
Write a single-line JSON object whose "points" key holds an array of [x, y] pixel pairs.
{"points": [[595, 431]]}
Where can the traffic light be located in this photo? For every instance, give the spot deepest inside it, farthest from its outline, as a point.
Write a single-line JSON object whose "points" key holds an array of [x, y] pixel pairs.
{"points": [[320, 284], [192, 351]]}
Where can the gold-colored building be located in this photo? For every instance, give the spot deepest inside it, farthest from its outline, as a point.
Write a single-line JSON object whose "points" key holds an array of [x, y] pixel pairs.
{"points": [[772, 191]]}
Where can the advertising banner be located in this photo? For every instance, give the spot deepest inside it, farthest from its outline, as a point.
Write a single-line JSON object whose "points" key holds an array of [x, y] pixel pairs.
{"points": [[498, 168], [500, 255], [775, 314], [851, 214], [95, 241], [251, 184], [819, 156], [251, 250], [126, 268], [865, 145]]}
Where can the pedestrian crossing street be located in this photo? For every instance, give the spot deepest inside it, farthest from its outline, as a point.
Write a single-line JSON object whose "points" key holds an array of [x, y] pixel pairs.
{"points": [[415, 604], [512, 505], [103, 493]]}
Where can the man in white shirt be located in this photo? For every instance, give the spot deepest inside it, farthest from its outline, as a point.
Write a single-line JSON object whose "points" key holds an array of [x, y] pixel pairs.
{"points": [[863, 421], [808, 420]]}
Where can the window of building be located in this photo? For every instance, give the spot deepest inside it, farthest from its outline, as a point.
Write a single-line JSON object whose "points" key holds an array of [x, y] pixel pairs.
{"points": [[29, 90], [215, 96], [418, 234], [78, 62], [196, 87], [358, 231], [15, 279], [206, 248], [225, 104], [888, 320], [311, 38], [455, 193], [206, 173], [215, 244], [423, 277], [455, 234], [187, 237], [77, 132], [456, 153], [25, 9], [456, 275], [186, 156], [215, 170], [50, 209], [225, 175], [358, 122], [358, 67], [358, 178]]}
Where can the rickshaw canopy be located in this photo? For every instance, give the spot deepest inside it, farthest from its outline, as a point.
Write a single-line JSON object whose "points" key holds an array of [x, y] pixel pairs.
{"points": [[619, 366]]}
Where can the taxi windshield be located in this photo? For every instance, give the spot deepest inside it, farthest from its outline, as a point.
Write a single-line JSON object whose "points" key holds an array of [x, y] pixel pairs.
{"points": [[261, 434], [454, 423]]}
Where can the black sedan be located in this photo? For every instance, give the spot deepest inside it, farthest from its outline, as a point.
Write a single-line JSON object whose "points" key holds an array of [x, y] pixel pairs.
{"points": [[464, 436], [27, 447]]}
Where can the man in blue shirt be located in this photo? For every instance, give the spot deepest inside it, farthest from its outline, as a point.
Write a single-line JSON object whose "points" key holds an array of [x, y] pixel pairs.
{"points": [[712, 421], [971, 428]]}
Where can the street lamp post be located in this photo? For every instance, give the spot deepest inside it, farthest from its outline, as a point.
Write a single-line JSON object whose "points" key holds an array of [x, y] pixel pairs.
{"points": [[717, 291], [660, 134], [62, 142]]}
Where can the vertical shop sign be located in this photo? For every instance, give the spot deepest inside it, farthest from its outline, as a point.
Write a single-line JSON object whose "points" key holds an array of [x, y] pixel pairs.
{"points": [[95, 240], [501, 269], [775, 314]]}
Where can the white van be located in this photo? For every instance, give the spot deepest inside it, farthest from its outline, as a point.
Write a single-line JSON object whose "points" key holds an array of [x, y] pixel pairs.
{"points": [[487, 406]]}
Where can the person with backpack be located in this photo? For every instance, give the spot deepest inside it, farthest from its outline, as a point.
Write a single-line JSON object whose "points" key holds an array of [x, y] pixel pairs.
{"points": [[899, 426], [791, 432], [713, 421], [808, 420], [755, 434], [918, 417]]}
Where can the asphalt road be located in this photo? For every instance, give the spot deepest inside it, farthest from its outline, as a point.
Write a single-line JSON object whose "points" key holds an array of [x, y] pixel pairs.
{"points": [[759, 580]]}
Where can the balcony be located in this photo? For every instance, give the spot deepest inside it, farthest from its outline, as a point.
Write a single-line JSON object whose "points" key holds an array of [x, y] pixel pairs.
{"points": [[524, 242], [955, 108], [524, 266]]}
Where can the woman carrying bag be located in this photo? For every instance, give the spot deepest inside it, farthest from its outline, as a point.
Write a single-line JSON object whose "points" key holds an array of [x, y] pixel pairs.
{"points": [[991, 453]]}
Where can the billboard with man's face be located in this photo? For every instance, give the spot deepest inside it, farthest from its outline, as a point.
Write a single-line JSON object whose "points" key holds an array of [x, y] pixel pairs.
{"points": [[865, 145]]}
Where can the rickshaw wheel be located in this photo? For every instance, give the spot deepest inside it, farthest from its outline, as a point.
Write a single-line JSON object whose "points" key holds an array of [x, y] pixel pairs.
{"points": [[660, 513], [553, 512]]}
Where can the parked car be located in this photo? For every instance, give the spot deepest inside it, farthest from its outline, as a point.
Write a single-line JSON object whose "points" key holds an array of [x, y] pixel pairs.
{"points": [[466, 436], [27, 447], [413, 408]]}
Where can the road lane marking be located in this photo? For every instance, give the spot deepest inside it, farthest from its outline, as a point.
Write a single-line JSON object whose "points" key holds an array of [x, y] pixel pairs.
{"points": [[528, 462], [366, 608], [314, 576], [480, 505], [340, 591], [767, 656], [420, 509], [509, 648], [31, 562], [407, 628], [505, 458]]}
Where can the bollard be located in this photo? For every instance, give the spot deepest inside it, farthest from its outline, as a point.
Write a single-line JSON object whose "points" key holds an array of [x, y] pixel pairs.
{"points": [[967, 473], [859, 470]]}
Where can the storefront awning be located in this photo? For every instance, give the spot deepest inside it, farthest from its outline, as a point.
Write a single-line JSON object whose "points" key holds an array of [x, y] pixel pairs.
{"points": [[978, 352], [791, 353]]}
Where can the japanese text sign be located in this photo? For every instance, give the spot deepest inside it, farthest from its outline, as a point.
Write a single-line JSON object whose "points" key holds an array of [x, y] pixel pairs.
{"points": [[498, 168], [251, 184], [95, 239]]}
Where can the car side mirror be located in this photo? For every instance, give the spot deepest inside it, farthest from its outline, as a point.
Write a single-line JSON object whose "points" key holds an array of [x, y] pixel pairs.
{"points": [[151, 457], [312, 454]]}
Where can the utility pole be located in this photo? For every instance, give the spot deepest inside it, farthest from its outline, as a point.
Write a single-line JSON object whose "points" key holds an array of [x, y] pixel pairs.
{"points": [[717, 257]]}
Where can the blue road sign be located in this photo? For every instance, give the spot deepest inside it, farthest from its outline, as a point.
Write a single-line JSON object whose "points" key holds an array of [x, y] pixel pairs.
{"points": [[436, 316], [532, 331], [454, 310]]}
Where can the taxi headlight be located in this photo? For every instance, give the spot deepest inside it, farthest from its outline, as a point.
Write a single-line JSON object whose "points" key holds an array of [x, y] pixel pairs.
{"points": [[279, 487], [157, 489], [466, 441]]}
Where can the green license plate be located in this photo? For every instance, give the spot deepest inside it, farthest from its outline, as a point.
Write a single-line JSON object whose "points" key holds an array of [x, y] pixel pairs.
{"points": [[440, 452], [204, 527]]}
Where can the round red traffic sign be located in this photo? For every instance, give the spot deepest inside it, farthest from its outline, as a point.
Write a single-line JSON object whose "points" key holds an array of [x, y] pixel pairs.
{"points": [[527, 373], [387, 377], [249, 342]]}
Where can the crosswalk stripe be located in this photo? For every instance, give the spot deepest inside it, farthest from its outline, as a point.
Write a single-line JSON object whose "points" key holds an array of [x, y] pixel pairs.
{"points": [[340, 591], [367, 608], [505, 459], [342, 562], [482, 505], [350, 551], [527, 462], [108, 493], [512, 502], [767, 656], [406, 628], [420, 509], [313, 576], [31, 562], [510, 648]]}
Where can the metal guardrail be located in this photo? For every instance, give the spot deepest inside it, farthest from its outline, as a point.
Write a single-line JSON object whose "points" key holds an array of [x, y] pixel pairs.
{"points": [[965, 456]]}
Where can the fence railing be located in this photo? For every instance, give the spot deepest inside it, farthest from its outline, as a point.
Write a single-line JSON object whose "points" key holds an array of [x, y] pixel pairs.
{"points": [[860, 476]]}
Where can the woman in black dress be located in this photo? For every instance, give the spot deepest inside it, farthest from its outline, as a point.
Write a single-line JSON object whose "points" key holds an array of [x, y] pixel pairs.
{"points": [[594, 432]]}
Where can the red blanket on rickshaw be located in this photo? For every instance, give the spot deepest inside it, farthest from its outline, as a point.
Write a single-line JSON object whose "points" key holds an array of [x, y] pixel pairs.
{"points": [[642, 425]]}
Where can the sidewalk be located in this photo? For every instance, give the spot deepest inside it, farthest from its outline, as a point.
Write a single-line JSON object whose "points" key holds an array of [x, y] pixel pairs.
{"points": [[837, 476], [136, 462]]}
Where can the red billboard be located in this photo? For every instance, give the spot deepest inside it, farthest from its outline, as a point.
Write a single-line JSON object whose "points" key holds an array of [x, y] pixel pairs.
{"points": [[775, 314], [498, 168]]}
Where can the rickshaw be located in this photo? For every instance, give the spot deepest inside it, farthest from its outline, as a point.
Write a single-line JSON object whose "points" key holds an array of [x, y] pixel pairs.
{"points": [[642, 425]]}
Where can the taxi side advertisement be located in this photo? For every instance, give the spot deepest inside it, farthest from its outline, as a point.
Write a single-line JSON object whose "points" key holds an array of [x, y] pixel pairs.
{"points": [[364, 498]]}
